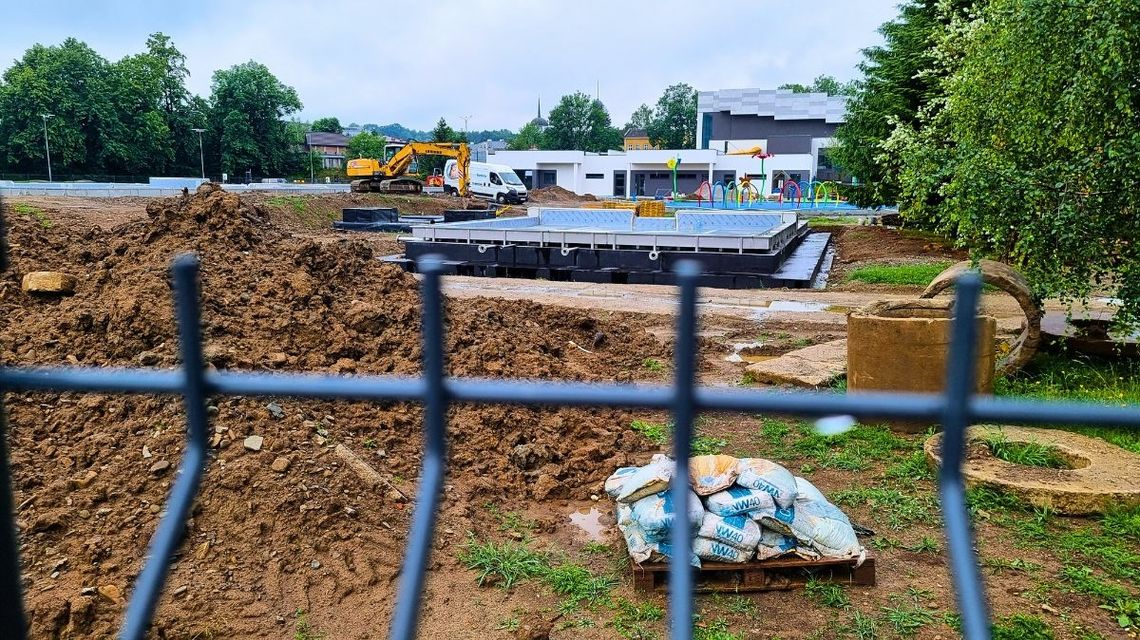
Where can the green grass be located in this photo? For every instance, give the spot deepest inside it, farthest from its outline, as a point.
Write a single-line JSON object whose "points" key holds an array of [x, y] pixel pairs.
{"points": [[632, 620], [998, 565], [32, 212], [653, 365], [1022, 627], [894, 508], [715, 630], [1126, 612], [914, 274], [829, 594], [658, 434], [911, 467], [302, 630], [655, 432], [505, 564], [860, 627], [854, 450], [706, 446], [907, 616], [1032, 454], [296, 202], [1083, 379], [578, 585]]}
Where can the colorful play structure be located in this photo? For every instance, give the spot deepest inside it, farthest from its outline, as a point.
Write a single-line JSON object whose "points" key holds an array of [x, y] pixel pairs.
{"points": [[743, 194]]}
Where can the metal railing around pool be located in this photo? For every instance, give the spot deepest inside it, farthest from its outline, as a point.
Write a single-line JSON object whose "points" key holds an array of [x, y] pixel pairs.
{"points": [[954, 409]]}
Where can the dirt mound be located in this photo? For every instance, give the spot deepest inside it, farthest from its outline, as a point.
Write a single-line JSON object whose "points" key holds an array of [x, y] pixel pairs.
{"points": [[91, 471], [558, 194]]}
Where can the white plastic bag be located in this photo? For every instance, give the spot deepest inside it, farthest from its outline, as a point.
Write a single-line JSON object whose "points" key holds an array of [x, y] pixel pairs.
{"points": [[737, 499], [655, 514], [614, 482], [718, 551], [774, 544], [739, 530], [709, 474], [648, 480], [765, 475]]}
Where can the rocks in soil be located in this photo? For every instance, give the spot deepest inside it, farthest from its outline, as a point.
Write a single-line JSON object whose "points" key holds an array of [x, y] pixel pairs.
{"points": [[49, 282], [345, 307], [160, 467], [253, 443], [275, 410], [281, 464]]}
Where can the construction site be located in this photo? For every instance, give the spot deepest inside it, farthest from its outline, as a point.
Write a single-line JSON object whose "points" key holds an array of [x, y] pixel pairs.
{"points": [[304, 514]]}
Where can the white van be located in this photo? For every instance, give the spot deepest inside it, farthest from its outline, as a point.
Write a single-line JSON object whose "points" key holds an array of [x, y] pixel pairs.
{"points": [[496, 182]]}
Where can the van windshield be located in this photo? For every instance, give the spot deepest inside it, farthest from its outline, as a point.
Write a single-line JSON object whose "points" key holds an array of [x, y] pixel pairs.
{"points": [[509, 177]]}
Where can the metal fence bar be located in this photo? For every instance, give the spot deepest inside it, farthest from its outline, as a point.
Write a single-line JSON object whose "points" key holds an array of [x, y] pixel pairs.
{"points": [[12, 624], [955, 410], [406, 617], [168, 535], [915, 406], [960, 367], [684, 379]]}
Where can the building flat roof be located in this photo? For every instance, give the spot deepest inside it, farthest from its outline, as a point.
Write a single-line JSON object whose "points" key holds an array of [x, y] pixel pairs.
{"points": [[781, 104]]}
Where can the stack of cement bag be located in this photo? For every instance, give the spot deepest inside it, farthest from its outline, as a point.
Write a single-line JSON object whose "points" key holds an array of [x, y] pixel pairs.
{"points": [[740, 509]]}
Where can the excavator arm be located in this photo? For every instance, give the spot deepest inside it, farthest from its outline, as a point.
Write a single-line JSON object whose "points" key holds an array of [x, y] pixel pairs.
{"points": [[376, 173]]}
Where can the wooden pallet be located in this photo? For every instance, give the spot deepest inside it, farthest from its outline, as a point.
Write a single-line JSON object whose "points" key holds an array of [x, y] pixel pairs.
{"points": [[764, 575]]}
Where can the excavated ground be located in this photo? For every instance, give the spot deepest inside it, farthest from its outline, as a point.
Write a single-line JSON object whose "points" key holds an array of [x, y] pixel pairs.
{"points": [[88, 469]]}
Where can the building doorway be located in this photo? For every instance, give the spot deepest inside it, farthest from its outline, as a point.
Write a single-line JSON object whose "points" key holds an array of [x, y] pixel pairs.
{"points": [[619, 184]]}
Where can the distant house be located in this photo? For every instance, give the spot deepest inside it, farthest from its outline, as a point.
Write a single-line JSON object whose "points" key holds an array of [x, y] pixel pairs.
{"points": [[331, 146], [637, 140], [480, 150]]}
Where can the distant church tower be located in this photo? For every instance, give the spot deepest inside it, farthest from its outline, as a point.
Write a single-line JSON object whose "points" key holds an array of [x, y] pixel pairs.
{"points": [[540, 122]]}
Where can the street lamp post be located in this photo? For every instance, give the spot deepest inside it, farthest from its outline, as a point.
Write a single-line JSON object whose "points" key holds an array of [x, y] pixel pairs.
{"points": [[201, 153], [47, 147]]}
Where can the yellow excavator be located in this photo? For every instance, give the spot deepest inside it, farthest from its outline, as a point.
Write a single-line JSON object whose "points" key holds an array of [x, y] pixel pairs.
{"points": [[388, 177]]}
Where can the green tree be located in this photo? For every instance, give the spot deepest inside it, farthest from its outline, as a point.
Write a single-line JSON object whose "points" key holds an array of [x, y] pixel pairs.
{"points": [[73, 83], [895, 86], [641, 118], [674, 123], [442, 132], [328, 125], [247, 106], [528, 137], [1042, 115], [366, 145], [823, 84], [582, 123]]}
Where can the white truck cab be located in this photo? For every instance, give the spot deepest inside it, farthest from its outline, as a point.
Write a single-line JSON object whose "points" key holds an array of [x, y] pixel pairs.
{"points": [[496, 182]]}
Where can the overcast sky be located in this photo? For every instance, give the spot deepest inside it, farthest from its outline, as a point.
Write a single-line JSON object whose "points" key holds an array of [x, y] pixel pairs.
{"points": [[489, 59]]}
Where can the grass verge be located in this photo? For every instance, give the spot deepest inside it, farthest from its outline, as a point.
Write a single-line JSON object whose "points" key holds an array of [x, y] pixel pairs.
{"points": [[912, 274]]}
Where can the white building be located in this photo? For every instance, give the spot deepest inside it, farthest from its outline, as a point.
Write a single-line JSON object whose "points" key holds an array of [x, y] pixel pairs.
{"points": [[796, 128]]}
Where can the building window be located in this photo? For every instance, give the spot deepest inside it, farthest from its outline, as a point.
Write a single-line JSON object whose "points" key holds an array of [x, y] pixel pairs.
{"points": [[659, 176], [686, 176], [595, 176], [824, 161]]}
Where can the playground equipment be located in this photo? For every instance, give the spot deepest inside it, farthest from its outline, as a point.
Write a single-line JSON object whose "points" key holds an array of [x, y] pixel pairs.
{"points": [[672, 164], [788, 186], [703, 189]]}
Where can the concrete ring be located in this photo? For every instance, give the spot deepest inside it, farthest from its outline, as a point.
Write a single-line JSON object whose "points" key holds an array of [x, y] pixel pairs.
{"points": [[1103, 475], [1007, 279]]}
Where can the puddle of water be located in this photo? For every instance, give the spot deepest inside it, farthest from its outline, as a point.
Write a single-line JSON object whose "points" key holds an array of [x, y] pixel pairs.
{"points": [[838, 308], [797, 306], [591, 522]]}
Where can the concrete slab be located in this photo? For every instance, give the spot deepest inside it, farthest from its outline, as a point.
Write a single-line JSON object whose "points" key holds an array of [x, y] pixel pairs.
{"points": [[1105, 475], [814, 366]]}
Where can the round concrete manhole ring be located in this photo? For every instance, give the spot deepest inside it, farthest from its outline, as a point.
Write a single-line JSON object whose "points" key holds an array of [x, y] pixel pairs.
{"points": [[1007, 279], [1103, 476]]}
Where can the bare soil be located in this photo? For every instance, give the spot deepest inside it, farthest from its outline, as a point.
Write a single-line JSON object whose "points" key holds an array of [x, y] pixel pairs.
{"points": [[858, 245], [283, 293]]}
